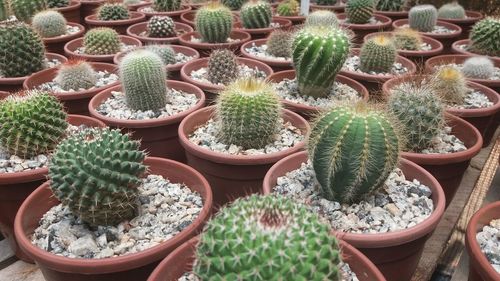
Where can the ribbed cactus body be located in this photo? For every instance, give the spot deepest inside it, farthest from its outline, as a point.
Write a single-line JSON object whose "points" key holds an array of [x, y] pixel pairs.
{"points": [[279, 43], [165, 52], [327, 2], [322, 17], [422, 18], [49, 24], [391, 5], [161, 27], [478, 68], [485, 37], [452, 11], [113, 11], [359, 11], [450, 84], [76, 75], [256, 14], [222, 67], [58, 3], [288, 8], [25, 9], [167, 5], [407, 39], [214, 23], [378, 55], [101, 41], [233, 4], [352, 150]]}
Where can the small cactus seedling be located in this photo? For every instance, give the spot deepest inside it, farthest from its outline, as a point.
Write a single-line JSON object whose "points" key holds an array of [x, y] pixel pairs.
{"points": [[167, 5], [279, 43], [450, 84], [452, 11], [101, 41], [407, 39], [378, 54], [478, 68], [222, 67], [49, 24], [113, 11], [214, 22], [165, 52], [25, 9], [423, 18], [359, 11], [353, 149], [326, 2], [233, 4], [256, 14], [161, 27], [57, 3], [76, 75], [96, 173], [288, 8], [391, 5], [322, 17], [485, 37]]}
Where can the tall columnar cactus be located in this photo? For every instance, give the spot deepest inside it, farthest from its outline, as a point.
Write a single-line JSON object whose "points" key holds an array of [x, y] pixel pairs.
{"points": [[423, 18], [165, 52], [233, 4], [222, 67], [214, 23], [391, 5], [288, 8], [327, 2], [101, 41], [49, 23], [318, 53], [485, 37], [25, 9], [378, 54], [353, 149], [359, 11], [161, 27], [166, 5], [58, 3], [31, 123], [248, 112], [452, 11], [96, 173], [22, 50], [450, 84], [274, 235], [407, 39], [144, 78], [75, 75], [322, 17], [478, 68], [279, 43], [113, 11], [256, 14]]}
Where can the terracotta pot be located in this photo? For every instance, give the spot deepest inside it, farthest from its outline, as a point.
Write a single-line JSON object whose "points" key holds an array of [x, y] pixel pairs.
{"points": [[334, 8], [206, 48], [188, 18], [135, 266], [3, 95], [461, 51], [393, 15], [15, 187], [142, 3], [158, 136], [119, 25], [71, 46], [71, 12], [175, 15], [14, 84], [361, 30], [396, 254], [480, 268], [56, 44], [307, 111], [140, 28], [258, 33], [467, 23], [74, 102], [89, 7], [296, 20], [196, 6], [181, 261], [232, 176], [276, 65]]}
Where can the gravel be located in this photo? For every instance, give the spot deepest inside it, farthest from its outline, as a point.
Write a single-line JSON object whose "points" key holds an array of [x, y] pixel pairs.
{"points": [[489, 242], [182, 58], [165, 209], [194, 39], [494, 76], [123, 48], [104, 78], [438, 29], [353, 63], [261, 52], [70, 30], [201, 74], [371, 21], [475, 99], [445, 143]]}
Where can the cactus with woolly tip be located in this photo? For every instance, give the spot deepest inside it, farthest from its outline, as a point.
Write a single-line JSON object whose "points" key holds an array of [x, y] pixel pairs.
{"points": [[359, 11], [452, 11], [167, 5], [58, 3], [288, 8], [279, 43], [407, 39], [485, 37], [101, 41], [423, 18], [76, 75], [161, 27], [214, 22], [326, 2], [31, 123], [450, 84], [233, 4], [113, 11], [165, 52], [478, 68], [391, 5], [378, 54], [49, 23], [322, 17], [222, 67], [353, 149], [318, 53], [25, 9], [96, 173], [256, 14]]}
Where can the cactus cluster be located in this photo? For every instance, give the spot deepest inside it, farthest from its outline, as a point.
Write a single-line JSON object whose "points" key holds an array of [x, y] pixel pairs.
{"points": [[101, 41], [49, 23], [58, 3], [31, 123], [167, 5], [450, 84], [256, 14], [165, 52], [353, 149], [161, 27], [96, 173], [391, 5], [233, 4], [452, 11], [485, 37], [279, 43], [214, 22], [478, 68], [378, 54], [288, 8], [76, 75], [407, 39], [423, 18], [322, 17], [113, 11], [359, 11], [222, 67], [326, 2], [25, 9]]}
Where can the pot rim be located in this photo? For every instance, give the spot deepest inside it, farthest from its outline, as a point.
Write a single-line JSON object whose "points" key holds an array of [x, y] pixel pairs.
{"points": [[66, 37], [284, 23], [184, 8], [78, 42], [134, 17], [384, 23], [437, 47], [270, 62], [147, 39], [460, 51], [457, 29], [20, 80], [184, 40], [472, 17], [392, 13], [73, 5]]}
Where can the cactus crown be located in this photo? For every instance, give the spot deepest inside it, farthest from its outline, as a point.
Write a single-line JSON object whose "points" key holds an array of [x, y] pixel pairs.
{"points": [[167, 5], [423, 18], [359, 11], [478, 68], [391, 5], [485, 37], [57, 3], [222, 67], [279, 43], [113, 11], [450, 84], [165, 52], [233, 4], [378, 54], [76, 75], [161, 27], [25, 9], [451, 11], [256, 14], [214, 22], [407, 39], [288, 8], [49, 23], [322, 17], [101, 41]]}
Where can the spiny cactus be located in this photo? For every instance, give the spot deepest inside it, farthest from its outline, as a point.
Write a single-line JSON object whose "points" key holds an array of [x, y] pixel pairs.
{"points": [[233, 4], [391, 5], [327, 2], [22, 50], [274, 235], [378, 54], [4, 10], [450, 84], [478, 68], [214, 23], [165, 52], [101, 41], [58, 3], [96, 173], [167, 5], [318, 53], [31, 123], [288, 8], [322, 17], [76, 75], [279, 43], [359, 11], [161, 27], [407, 39], [256, 14], [423, 18], [49, 23], [222, 67], [452, 11], [353, 149], [25, 9], [113, 11], [485, 37]]}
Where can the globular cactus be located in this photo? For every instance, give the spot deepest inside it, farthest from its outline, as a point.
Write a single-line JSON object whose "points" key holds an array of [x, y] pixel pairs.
{"points": [[378, 54], [318, 53], [278, 239], [485, 37], [96, 173], [353, 149], [161, 27], [101, 41], [165, 52], [248, 112], [113, 11], [22, 50], [391, 5], [478, 68], [288, 8], [322, 17], [423, 18], [76, 75], [326, 2], [25, 9], [31, 123], [143, 77], [214, 22], [167, 5], [407, 39], [256, 14], [4, 10], [450, 84], [222, 67], [58, 3], [279, 43], [452, 11], [359, 11], [49, 23], [233, 4]]}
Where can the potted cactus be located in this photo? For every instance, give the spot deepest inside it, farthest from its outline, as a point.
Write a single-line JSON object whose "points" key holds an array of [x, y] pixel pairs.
{"points": [[70, 9], [454, 13], [275, 228], [190, 16], [89, 7], [23, 10], [103, 189], [394, 9], [483, 39], [330, 5], [290, 10], [158, 30], [257, 19], [171, 8], [115, 16]]}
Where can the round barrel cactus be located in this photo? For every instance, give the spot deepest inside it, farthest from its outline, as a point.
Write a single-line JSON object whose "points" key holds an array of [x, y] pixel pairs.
{"points": [[407, 39], [359, 11], [233, 4], [76, 75], [25, 9], [58, 3], [161, 27], [423, 18], [101, 41], [279, 43], [322, 17], [288, 8], [485, 37], [49, 24], [214, 22], [222, 67], [391, 5], [450, 84], [452, 10], [113, 11], [165, 52], [478, 68], [377, 55], [256, 14]]}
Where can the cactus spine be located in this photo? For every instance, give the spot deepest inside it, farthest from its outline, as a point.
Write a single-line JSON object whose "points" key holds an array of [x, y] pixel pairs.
{"points": [[450, 84], [322, 17], [233, 4], [101, 41], [76, 75], [279, 43], [256, 14], [359, 11], [25, 9], [288, 8], [391, 5], [161, 27], [478, 68], [214, 23], [167, 5], [452, 11], [113, 11], [165, 52], [49, 24], [423, 18], [57, 3], [485, 37], [222, 67], [378, 54], [407, 39]]}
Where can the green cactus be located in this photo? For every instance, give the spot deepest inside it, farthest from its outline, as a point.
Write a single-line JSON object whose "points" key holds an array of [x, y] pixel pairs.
{"points": [[407, 39], [422, 18], [31, 123], [450, 84], [322, 17], [359, 11], [288, 8], [101, 41], [113, 11], [452, 11], [478, 68], [233, 4], [214, 22], [25, 9], [391, 5], [378, 54], [256, 14], [4, 10], [96, 173], [165, 52], [222, 67], [279, 43], [161, 27], [76, 75], [22, 50], [167, 5], [318, 53], [485, 37], [49, 24], [326, 2], [58, 3]]}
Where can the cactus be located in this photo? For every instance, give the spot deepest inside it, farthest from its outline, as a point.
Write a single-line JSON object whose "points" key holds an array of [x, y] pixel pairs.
{"points": [[450, 84], [22, 50], [143, 77], [96, 173], [4, 10], [222, 67], [391, 5], [248, 112], [359, 11], [322, 17], [422, 18], [353, 149], [25, 9], [407, 39], [167, 5], [113, 11], [233, 4], [279, 43], [326, 2], [214, 23], [101, 41], [256, 14], [57, 3], [378, 54], [478, 68], [161, 27], [277, 238], [288, 8], [485, 37], [165, 52], [452, 11], [31, 123], [49, 23], [76, 75]]}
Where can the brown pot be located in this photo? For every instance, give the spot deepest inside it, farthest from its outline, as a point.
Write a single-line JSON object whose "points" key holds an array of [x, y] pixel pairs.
{"points": [[232, 176], [71, 12], [461, 51], [396, 254], [480, 268], [361, 30], [196, 6], [276, 65], [188, 18], [56, 44], [334, 8], [140, 28], [175, 15], [3, 95], [296, 20], [394, 15], [74, 102], [16, 187], [136, 266], [467, 23], [181, 261], [206, 48], [89, 7], [158, 136], [14, 84], [119, 25], [307, 111], [258, 33], [142, 3], [71, 46]]}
